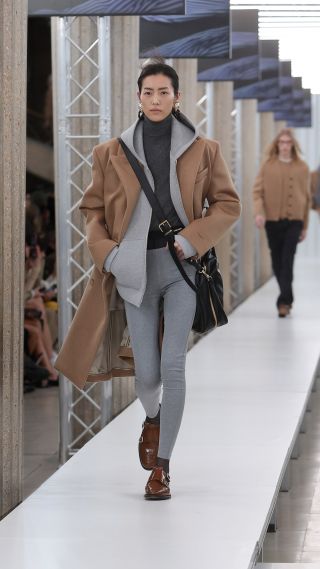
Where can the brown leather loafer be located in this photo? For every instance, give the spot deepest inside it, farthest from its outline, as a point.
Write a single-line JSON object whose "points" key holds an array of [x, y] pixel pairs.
{"points": [[158, 485], [148, 445], [283, 310]]}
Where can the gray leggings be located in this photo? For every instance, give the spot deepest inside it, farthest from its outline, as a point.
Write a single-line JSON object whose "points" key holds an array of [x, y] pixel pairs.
{"points": [[152, 370]]}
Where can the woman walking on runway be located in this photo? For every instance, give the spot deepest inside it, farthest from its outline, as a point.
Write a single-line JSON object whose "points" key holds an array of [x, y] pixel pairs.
{"points": [[130, 250], [281, 197]]}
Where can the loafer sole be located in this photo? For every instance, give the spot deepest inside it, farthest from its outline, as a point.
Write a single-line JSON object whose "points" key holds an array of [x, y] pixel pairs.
{"points": [[151, 497]]}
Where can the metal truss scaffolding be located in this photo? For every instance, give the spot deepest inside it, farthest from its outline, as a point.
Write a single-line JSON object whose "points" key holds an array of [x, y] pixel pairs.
{"points": [[205, 107], [81, 92]]}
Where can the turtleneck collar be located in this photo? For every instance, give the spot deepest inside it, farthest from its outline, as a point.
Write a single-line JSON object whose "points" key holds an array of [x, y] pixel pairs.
{"points": [[285, 160], [161, 128]]}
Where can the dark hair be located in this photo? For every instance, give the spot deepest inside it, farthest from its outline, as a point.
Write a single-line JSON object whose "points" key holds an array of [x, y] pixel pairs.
{"points": [[157, 69]]}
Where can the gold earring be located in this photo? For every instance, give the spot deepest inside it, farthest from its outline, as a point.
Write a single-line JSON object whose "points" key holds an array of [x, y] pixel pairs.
{"points": [[140, 111]]}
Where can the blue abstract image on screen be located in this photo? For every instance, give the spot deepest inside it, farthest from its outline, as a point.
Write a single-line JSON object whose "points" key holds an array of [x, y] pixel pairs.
{"points": [[202, 32], [245, 52], [297, 91], [302, 117], [268, 86], [198, 7], [104, 7], [284, 101]]}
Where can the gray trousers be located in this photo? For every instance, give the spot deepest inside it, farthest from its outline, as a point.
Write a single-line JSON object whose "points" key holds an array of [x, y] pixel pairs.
{"points": [[167, 369]]}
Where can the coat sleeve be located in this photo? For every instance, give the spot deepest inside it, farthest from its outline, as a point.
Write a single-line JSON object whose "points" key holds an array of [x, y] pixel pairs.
{"points": [[258, 194], [308, 198], [314, 184], [224, 205], [92, 206]]}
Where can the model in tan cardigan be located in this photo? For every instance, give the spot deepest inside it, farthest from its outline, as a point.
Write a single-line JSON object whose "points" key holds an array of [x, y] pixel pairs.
{"points": [[281, 196]]}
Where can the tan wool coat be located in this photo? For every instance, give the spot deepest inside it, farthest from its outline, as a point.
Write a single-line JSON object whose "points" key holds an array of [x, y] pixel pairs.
{"points": [[91, 351], [282, 191]]}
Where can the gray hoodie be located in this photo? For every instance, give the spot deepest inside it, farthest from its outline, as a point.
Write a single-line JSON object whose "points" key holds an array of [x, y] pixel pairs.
{"points": [[127, 262]]}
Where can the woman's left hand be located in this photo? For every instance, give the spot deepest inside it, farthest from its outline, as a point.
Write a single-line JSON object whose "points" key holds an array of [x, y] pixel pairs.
{"points": [[303, 235], [179, 251]]}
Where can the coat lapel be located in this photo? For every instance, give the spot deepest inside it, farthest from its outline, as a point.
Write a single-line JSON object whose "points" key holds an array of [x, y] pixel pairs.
{"points": [[187, 169], [130, 184]]}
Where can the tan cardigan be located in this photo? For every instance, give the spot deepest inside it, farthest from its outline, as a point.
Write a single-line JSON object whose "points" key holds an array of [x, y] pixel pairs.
{"points": [[282, 191], [314, 186]]}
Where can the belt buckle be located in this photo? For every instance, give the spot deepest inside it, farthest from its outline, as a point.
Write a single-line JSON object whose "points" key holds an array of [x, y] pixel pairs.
{"points": [[167, 229]]}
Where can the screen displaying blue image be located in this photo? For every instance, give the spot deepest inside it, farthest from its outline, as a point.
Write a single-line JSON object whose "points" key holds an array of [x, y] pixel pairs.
{"points": [[285, 100], [306, 104], [297, 91], [104, 7], [302, 110], [203, 32], [284, 115], [303, 121], [268, 86], [244, 48]]}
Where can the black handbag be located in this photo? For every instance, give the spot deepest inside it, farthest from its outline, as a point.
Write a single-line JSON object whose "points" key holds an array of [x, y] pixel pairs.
{"points": [[208, 280]]}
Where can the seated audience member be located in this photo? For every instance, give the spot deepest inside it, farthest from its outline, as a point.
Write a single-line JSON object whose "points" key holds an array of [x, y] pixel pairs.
{"points": [[39, 340]]}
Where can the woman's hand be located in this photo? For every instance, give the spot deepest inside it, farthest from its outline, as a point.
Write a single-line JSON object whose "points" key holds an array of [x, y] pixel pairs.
{"points": [[48, 295], [179, 251], [303, 235], [259, 221]]}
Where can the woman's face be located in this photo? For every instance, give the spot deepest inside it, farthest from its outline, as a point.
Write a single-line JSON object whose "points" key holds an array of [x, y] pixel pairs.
{"points": [[285, 144], [157, 97]]}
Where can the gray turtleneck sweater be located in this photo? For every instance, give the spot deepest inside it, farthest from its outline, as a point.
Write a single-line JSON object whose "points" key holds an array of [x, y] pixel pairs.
{"points": [[157, 144]]}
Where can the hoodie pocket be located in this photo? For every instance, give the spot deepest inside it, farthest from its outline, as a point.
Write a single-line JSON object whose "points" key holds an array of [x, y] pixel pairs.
{"points": [[129, 264]]}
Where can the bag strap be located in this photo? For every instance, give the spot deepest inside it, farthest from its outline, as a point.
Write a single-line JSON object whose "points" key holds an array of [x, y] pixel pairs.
{"points": [[164, 224]]}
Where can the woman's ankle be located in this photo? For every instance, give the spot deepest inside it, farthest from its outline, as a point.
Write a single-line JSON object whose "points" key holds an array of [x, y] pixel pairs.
{"points": [[164, 463], [154, 420]]}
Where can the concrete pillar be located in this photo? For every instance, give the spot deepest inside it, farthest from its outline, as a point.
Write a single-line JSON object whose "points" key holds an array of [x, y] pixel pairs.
{"points": [[223, 107], [267, 134], [125, 70], [248, 148], [187, 72], [13, 62], [279, 125]]}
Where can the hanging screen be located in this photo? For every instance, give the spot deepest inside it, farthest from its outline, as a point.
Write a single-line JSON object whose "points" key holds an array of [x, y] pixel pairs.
{"points": [[285, 100], [245, 52], [202, 32], [269, 84], [104, 7], [302, 111]]}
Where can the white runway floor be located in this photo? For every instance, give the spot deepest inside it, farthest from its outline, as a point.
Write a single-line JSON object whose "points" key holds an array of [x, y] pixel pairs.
{"points": [[248, 385]]}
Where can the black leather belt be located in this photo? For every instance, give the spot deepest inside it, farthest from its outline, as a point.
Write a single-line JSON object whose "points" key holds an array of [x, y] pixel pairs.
{"points": [[156, 240]]}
